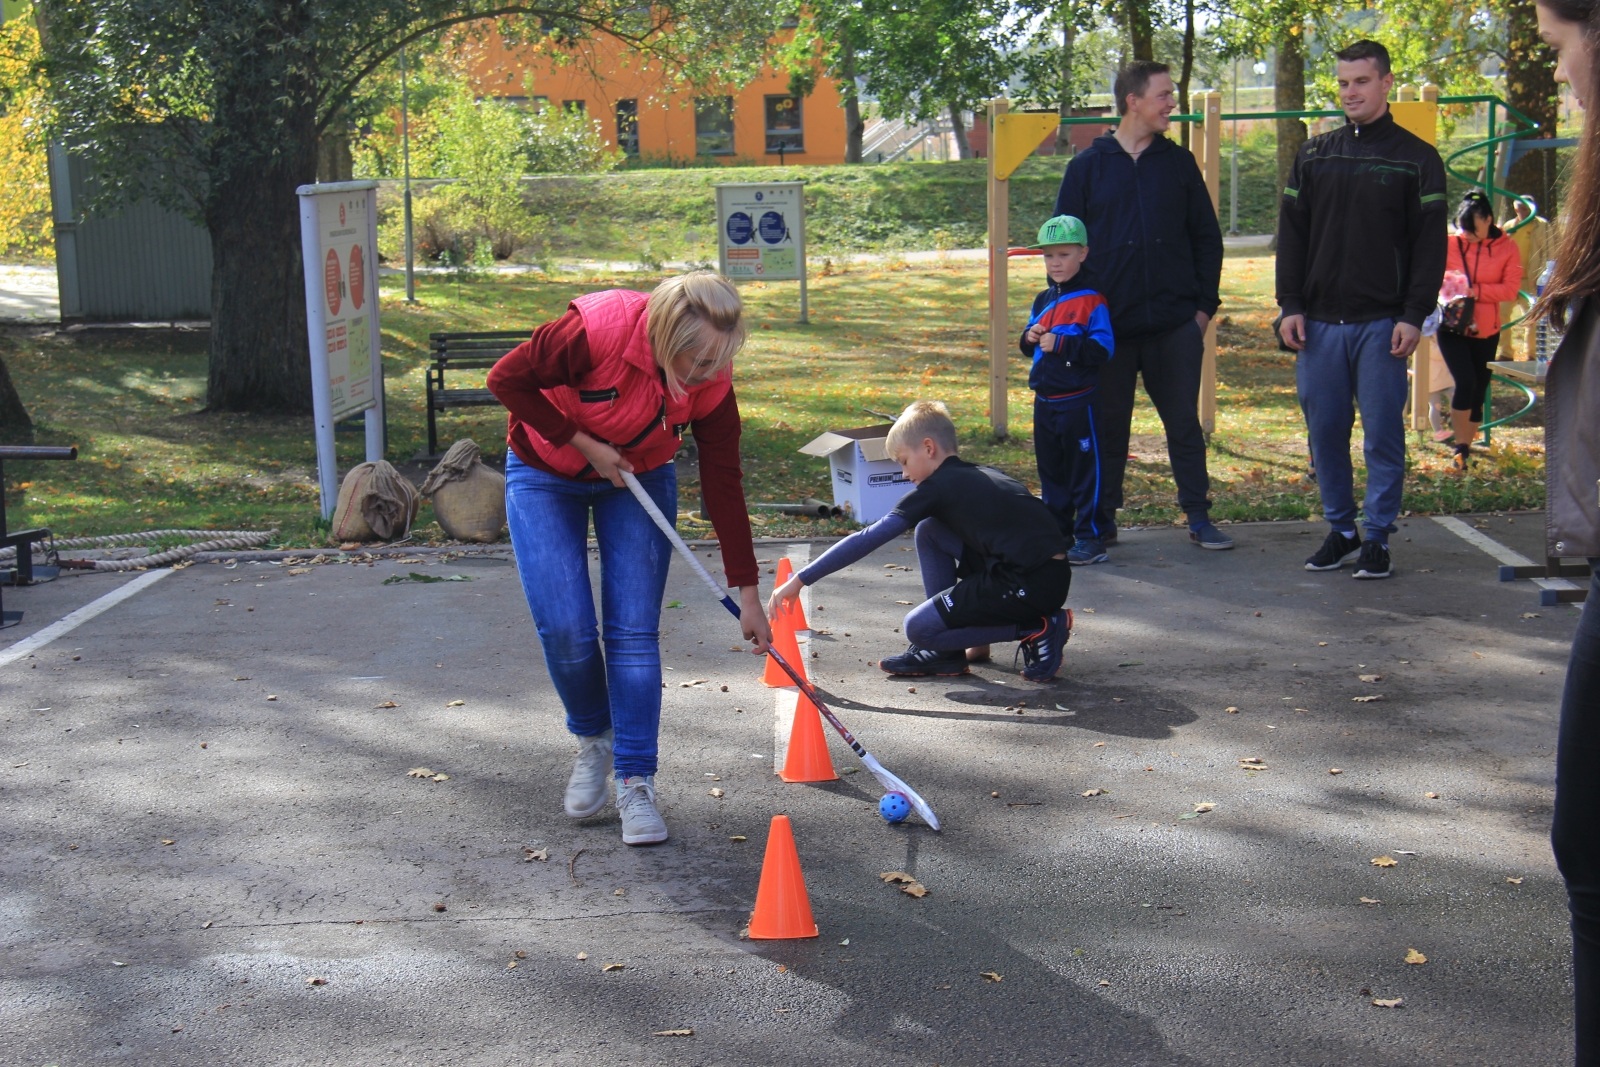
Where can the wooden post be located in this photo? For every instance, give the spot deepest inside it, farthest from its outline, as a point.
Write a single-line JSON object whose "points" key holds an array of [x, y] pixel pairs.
{"points": [[999, 279], [1208, 153]]}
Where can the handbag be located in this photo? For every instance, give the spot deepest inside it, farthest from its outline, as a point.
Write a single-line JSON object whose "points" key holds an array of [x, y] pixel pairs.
{"points": [[1456, 314]]}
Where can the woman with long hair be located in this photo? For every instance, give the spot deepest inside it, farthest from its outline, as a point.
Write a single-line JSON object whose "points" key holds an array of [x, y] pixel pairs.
{"points": [[1491, 269], [1572, 519], [611, 386]]}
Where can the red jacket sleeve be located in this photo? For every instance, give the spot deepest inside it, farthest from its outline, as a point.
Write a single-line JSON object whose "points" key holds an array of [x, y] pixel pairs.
{"points": [[556, 354], [1504, 289], [722, 490]]}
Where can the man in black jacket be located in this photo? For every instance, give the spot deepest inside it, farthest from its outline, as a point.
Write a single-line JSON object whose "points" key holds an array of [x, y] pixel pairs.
{"points": [[1155, 254], [1361, 253]]}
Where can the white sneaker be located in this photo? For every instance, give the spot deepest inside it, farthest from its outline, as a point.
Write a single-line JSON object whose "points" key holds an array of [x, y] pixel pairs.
{"points": [[641, 822], [591, 774]]}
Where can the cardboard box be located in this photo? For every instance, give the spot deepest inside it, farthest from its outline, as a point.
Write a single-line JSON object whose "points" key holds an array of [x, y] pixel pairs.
{"points": [[866, 482]]}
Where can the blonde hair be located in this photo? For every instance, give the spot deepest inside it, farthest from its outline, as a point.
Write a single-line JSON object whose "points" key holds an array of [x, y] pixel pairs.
{"points": [[695, 312], [922, 419]]}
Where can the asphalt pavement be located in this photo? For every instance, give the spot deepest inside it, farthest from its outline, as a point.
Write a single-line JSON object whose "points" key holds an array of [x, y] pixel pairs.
{"points": [[211, 851]]}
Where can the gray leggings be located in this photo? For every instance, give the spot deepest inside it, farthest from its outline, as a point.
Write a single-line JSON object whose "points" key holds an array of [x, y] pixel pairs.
{"points": [[938, 552]]}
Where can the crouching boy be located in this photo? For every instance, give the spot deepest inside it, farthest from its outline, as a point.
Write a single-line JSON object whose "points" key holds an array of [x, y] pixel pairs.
{"points": [[994, 563], [1069, 339]]}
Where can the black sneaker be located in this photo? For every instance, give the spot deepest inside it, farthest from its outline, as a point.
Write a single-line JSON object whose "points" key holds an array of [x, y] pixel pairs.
{"points": [[1336, 551], [1042, 650], [917, 662], [1374, 561]]}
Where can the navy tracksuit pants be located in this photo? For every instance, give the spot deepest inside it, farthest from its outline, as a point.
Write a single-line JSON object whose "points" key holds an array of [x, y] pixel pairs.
{"points": [[1067, 447]]}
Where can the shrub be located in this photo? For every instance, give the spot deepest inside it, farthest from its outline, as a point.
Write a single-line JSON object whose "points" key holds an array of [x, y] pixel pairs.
{"points": [[25, 190]]}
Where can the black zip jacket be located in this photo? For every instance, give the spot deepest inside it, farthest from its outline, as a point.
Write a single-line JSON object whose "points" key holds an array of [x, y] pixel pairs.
{"points": [[1361, 230], [1155, 248]]}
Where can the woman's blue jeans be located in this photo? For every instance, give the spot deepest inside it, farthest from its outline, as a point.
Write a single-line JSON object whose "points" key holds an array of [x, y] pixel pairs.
{"points": [[619, 689]]}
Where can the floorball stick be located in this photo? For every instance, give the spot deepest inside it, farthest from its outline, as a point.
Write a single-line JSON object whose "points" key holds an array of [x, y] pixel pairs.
{"points": [[885, 777]]}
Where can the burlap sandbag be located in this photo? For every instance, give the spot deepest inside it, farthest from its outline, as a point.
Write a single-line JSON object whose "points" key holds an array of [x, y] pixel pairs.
{"points": [[469, 499], [376, 503]]}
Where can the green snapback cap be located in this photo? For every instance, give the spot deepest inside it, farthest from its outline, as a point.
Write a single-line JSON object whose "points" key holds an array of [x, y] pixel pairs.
{"points": [[1062, 230]]}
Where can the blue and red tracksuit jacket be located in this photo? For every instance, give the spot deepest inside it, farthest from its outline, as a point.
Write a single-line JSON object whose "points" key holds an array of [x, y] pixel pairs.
{"points": [[1081, 323]]}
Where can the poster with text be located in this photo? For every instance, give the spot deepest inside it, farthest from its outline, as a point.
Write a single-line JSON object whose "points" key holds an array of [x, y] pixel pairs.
{"points": [[349, 295], [760, 230]]}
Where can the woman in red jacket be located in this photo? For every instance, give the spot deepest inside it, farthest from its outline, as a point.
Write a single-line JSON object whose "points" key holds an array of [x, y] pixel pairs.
{"points": [[1493, 268], [611, 386]]}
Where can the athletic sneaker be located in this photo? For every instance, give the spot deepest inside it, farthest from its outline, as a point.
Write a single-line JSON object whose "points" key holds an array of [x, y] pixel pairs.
{"points": [[636, 801], [590, 783], [1374, 561], [1208, 536], [917, 662], [1042, 650], [1337, 550], [1086, 552]]}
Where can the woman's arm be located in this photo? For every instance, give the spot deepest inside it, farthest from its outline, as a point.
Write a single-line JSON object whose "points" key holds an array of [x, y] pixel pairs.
{"points": [[1504, 290], [722, 490], [556, 354]]}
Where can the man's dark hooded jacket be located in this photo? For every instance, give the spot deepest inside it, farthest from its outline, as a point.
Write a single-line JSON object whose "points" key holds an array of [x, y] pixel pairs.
{"points": [[1155, 248]]}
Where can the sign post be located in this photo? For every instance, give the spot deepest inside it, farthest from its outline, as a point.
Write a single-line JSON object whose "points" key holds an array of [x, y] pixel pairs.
{"points": [[761, 233], [339, 247]]}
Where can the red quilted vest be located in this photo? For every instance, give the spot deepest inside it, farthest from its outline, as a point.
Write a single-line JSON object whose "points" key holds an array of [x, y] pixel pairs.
{"points": [[623, 400]]}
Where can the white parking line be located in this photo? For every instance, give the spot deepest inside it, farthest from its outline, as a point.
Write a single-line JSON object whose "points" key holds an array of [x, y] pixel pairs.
{"points": [[1480, 540], [61, 627], [786, 699]]}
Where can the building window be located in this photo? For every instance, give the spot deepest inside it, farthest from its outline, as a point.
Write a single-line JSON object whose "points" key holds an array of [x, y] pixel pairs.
{"points": [[713, 125], [784, 131], [575, 107], [628, 127], [538, 103]]}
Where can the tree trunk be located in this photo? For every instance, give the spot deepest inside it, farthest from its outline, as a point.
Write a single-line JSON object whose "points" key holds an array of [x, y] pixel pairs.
{"points": [[853, 126], [1187, 71], [963, 146], [335, 162], [1141, 34], [1531, 89], [1069, 37], [1288, 94], [259, 361], [16, 428]]}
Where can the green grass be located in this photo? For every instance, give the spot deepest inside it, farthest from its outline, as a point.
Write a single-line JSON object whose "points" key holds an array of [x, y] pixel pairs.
{"points": [[880, 337]]}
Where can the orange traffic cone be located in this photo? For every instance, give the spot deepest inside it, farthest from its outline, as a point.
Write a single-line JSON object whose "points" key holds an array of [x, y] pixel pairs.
{"points": [[782, 908], [785, 572], [808, 759], [788, 647]]}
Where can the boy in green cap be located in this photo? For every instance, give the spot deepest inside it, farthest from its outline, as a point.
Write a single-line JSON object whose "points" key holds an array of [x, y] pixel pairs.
{"points": [[1069, 339]]}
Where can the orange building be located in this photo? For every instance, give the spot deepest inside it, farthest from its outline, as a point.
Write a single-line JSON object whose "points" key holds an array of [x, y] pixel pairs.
{"points": [[652, 121]]}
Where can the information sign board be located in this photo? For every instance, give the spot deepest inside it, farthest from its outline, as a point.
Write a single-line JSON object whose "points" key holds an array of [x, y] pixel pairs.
{"points": [[761, 233]]}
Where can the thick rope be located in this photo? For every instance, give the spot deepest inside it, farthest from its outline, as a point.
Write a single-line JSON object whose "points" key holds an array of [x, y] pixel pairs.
{"points": [[217, 540]]}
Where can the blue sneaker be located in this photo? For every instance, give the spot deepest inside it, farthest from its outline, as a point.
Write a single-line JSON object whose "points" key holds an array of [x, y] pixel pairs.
{"points": [[1208, 536], [1042, 650], [1086, 552]]}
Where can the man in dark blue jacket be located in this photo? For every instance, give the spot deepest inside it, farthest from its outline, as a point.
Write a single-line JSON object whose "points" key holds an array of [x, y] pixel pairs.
{"points": [[1156, 256]]}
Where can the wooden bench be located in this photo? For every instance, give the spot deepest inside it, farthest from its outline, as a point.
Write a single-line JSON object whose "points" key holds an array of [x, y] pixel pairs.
{"points": [[22, 540], [462, 351]]}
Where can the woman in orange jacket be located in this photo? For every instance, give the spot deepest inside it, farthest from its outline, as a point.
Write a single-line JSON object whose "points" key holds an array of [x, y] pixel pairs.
{"points": [[1493, 269]]}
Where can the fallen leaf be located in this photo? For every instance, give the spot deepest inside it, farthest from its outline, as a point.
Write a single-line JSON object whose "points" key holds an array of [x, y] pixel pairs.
{"points": [[299, 570], [272, 697], [1322, 644], [1403, 852], [1116, 700], [1395, 1003], [1253, 761], [1384, 861], [1370, 900], [441, 906], [419, 772], [897, 877], [440, 778], [1370, 678], [619, 892], [456, 704], [1132, 663], [1335, 770], [118, 963], [685, 1032], [716, 793], [316, 980], [1415, 958], [1531, 615], [1368, 700], [1094, 792], [1098, 744], [540, 854], [521, 955], [1303, 711], [1104, 982], [915, 889], [1479, 655], [903, 602], [738, 837], [613, 967], [846, 941], [206, 925], [168, 841], [1514, 881], [991, 976], [783, 968], [511, 966], [385, 704], [583, 955], [1205, 806], [1231, 711], [1431, 796]]}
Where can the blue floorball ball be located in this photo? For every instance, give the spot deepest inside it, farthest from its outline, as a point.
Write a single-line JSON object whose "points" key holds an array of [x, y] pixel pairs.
{"points": [[894, 807]]}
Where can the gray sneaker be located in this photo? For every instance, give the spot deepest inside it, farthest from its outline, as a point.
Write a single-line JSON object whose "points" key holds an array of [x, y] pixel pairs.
{"points": [[591, 775], [641, 822]]}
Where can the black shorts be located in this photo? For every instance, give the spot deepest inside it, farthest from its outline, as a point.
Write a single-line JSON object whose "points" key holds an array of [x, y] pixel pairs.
{"points": [[991, 599]]}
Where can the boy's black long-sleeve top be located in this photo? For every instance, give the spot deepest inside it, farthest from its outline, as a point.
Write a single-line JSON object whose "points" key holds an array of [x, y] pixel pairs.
{"points": [[1155, 246], [1081, 341], [1361, 227]]}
